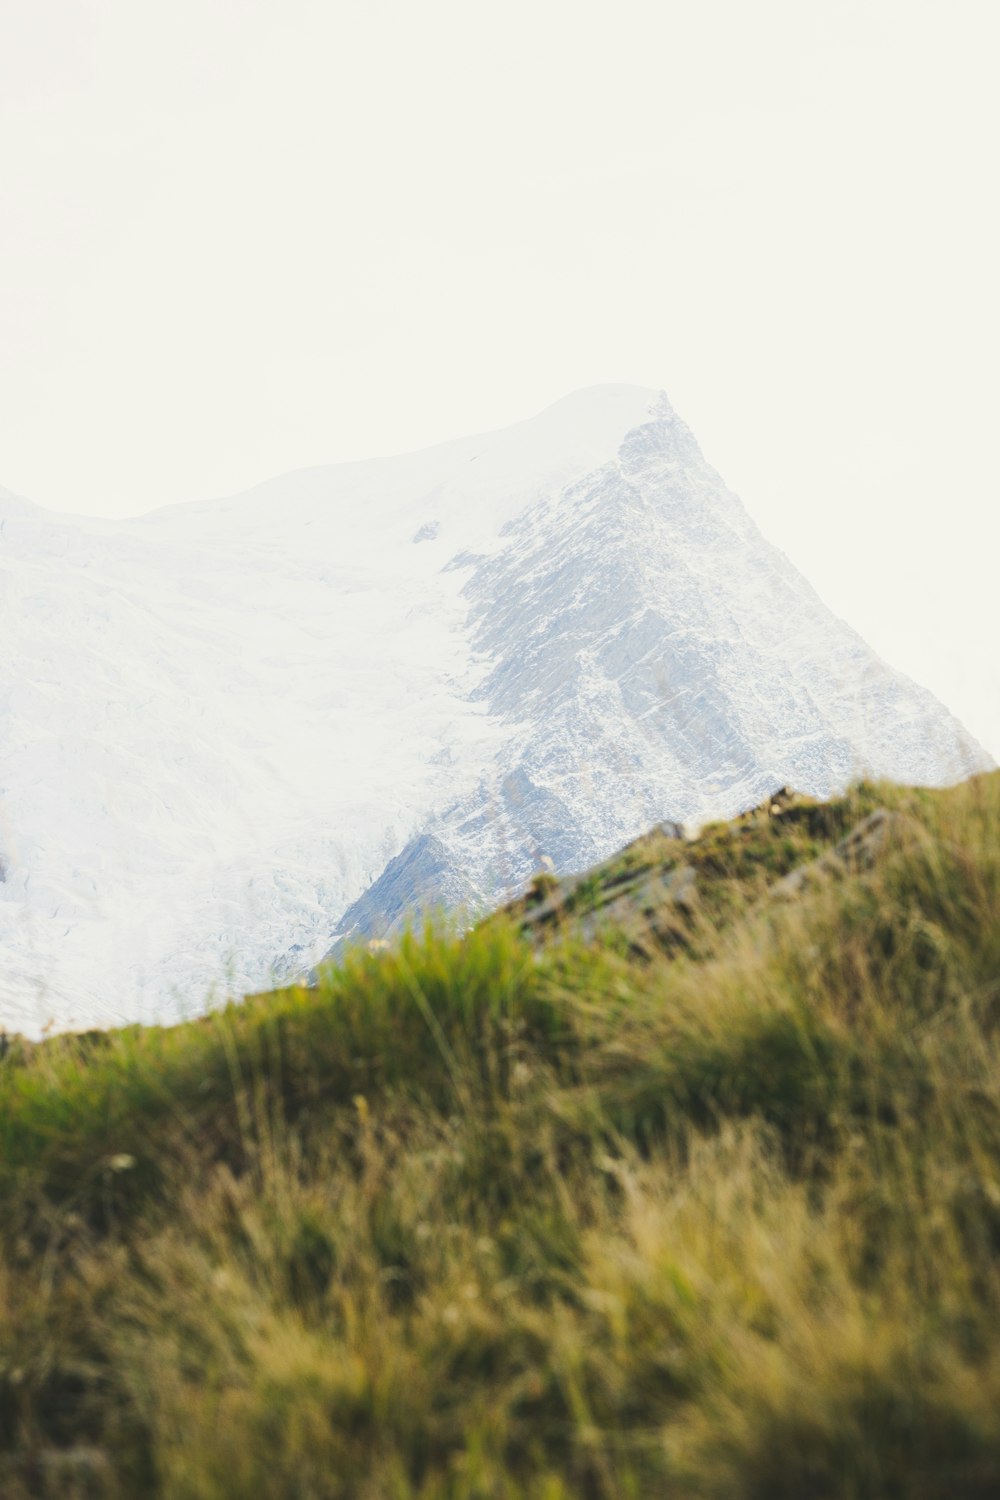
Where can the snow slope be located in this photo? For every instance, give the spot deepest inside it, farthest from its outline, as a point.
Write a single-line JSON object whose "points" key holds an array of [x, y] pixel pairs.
{"points": [[224, 724]]}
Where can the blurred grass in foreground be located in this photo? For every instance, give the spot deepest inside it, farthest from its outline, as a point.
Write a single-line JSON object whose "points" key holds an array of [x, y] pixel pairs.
{"points": [[471, 1221]]}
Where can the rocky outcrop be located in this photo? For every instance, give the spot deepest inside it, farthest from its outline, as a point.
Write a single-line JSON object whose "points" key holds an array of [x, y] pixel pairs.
{"points": [[865, 846], [651, 894]]}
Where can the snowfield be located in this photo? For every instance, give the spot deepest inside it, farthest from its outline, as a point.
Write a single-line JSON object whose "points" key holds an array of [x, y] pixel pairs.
{"points": [[228, 730]]}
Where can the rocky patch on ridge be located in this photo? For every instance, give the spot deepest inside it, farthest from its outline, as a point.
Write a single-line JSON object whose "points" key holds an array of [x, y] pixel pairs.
{"points": [[650, 895]]}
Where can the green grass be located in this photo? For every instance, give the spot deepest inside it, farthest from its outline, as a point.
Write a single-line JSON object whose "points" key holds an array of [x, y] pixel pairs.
{"points": [[472, 1220]]}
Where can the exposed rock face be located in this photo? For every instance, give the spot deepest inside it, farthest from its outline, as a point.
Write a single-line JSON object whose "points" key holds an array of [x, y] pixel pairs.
{"points": [[648, 906], [419, 882]]}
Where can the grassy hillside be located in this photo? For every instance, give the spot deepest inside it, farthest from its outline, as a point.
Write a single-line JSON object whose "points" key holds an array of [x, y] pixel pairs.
{"points": [[682, 1179]]}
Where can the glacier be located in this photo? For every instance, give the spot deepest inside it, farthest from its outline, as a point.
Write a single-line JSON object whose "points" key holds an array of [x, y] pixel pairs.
{"points": [[234, 733]]}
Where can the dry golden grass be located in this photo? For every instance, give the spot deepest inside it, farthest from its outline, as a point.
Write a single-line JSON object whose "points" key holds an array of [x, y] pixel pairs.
{"points": [[469, 1223]]}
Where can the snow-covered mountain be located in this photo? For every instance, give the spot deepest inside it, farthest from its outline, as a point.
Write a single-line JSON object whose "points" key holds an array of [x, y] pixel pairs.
{"points": [[232, 731]]}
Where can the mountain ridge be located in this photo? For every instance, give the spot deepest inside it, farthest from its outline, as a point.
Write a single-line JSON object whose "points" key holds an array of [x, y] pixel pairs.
{"points": [[223, 721], [523, 603]]}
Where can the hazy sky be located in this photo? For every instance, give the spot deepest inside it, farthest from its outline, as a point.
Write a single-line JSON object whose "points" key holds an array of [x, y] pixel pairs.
{"points": [[241, 236]]}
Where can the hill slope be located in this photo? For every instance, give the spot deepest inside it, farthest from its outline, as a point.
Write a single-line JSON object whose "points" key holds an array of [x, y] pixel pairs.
{"points": [[706, 1204]]}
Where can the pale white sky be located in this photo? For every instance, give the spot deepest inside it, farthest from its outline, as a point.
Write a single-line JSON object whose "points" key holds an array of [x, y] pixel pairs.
{"points": [[241, 236]]}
